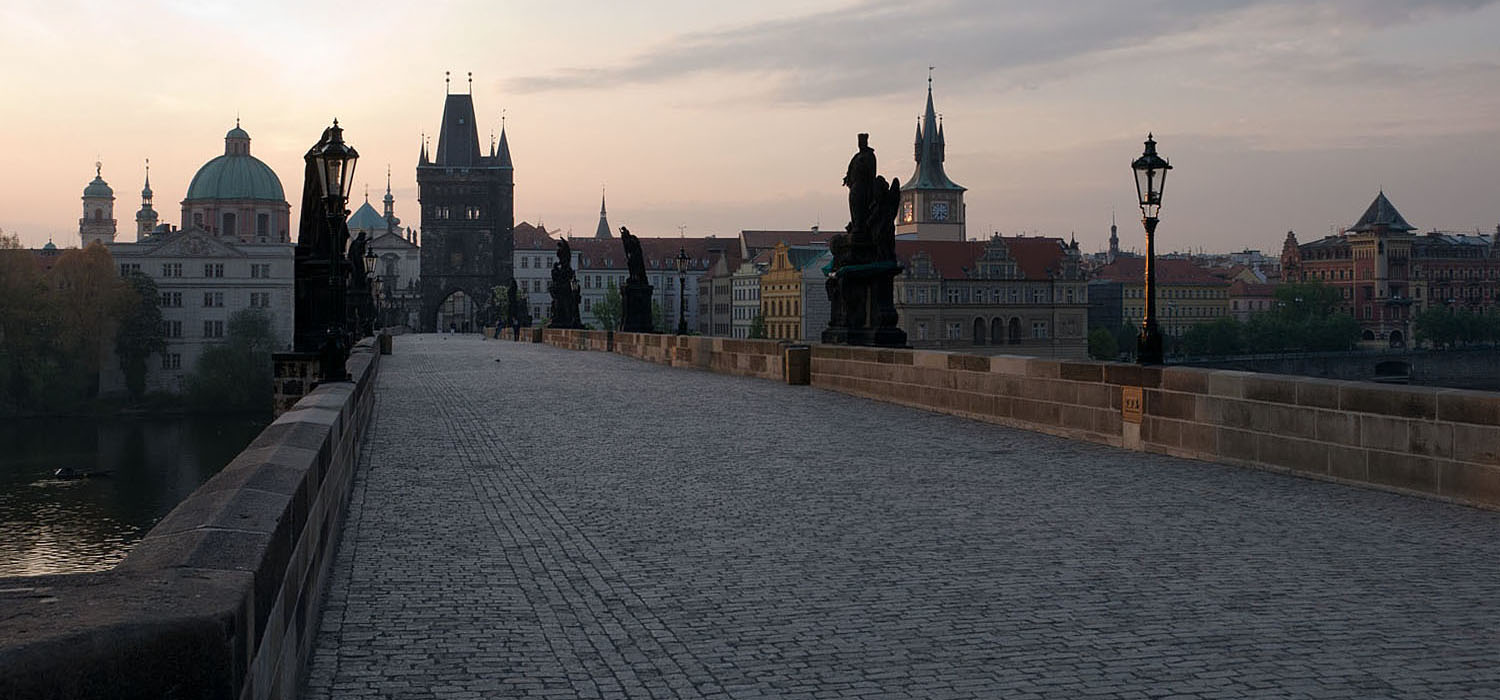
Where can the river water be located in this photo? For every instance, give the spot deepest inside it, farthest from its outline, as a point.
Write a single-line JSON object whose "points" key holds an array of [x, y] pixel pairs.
{"points": [[51, 526]]}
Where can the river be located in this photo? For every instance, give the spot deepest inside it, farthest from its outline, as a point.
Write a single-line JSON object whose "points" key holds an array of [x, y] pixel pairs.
{"points": [[52, 526]]}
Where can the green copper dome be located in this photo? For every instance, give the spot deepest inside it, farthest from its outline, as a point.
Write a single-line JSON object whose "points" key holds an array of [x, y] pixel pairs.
{"points": [[236, 174], [236, 177]]}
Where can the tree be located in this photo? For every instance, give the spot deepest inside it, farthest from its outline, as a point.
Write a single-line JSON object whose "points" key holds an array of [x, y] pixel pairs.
{"points": [[500, 299], [1220, 336], [235, 375], [610, 309], [758, 326], [90, 298], [656, 316], [27, 329], [1102, 345], [140, 332]]}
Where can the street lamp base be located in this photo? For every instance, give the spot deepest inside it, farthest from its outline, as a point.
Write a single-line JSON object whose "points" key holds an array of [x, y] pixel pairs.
{"points": [[1148, 347]]}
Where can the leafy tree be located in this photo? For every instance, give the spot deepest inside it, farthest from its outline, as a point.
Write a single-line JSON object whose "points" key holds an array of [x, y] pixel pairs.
{"points": [[1102, 345], [28, 355], [610, 309], [1218, 337], [140, 332], [90, 298], [758, 326], [656, 316], [235, 375]]}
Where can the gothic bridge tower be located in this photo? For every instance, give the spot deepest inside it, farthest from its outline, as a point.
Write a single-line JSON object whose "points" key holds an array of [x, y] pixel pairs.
{"points": [[467, 202]]}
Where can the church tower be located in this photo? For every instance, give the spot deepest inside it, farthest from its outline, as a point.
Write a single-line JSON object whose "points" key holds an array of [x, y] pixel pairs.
{"points": [[145, 219], [932, 206], [1114, 239], [98, 222], [467, 200]]}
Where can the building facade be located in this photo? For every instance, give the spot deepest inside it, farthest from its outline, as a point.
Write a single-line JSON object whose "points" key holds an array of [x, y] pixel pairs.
{"points": [[205, 276], [1387, 273], [1187, 294], [744, 308], [1016, 295], [398, 266], [467, 204], [783, 304]]}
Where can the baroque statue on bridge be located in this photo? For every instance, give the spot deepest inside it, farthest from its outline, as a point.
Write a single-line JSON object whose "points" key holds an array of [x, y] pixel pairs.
{"points": [[635, 294], [564, 290], [861, 276]]}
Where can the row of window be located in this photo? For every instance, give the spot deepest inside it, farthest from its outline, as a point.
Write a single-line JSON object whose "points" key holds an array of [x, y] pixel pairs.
{"points": [[969, 295], [214, 300], [955, 330], [210, 270], [173, 329], [1171, 293], [229, 223]]}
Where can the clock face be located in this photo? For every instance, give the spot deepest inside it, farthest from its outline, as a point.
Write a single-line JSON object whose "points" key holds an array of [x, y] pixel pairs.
{"points": [[939, 211]]}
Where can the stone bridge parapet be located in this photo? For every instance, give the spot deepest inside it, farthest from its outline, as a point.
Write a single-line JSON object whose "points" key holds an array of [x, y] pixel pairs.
{"points": [[221, 599], [1434, 442]]}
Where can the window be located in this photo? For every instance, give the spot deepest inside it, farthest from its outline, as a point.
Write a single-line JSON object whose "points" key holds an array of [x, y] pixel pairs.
{"points": [[129, 268], [228, 223], [524, 260], [1039, 329], [213, 299], [262, 225], [213, 329], [171, 329], [213, 269], [171, 300], [171, 269], [955, 331], [171, 360], [260, 271], [198, 219], [260, 300]]}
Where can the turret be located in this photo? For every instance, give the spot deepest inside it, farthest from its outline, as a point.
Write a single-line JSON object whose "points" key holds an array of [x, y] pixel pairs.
{"points": [[145, 219], [98, 221]]}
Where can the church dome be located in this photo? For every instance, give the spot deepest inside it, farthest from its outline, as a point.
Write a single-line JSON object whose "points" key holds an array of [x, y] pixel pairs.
{"points": [[236, 174], [366, 219], [98, 188]]}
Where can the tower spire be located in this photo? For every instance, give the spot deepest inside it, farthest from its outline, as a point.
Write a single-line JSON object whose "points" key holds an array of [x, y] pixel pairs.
{"points": [[603, 230]]}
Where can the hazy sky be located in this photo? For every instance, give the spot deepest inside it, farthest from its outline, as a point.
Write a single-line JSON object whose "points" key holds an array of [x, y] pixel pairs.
{"points": [[1278, 115]]}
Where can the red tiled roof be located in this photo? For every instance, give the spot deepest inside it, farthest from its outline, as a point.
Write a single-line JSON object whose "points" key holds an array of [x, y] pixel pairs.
{"points": [[1168, 271], [955, 259], [660, 253], [756, 240], [528, 237], [1247, 289]]}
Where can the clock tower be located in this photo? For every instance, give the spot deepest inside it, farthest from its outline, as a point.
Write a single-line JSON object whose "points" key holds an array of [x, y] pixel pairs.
{"points": [[932, 206]]}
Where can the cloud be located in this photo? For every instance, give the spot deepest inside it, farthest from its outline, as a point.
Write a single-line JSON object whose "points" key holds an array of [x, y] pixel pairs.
{"points": [[853, 52]]}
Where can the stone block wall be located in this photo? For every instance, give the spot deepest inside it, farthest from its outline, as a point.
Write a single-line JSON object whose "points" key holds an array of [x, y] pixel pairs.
{"points": [[221, 599]]}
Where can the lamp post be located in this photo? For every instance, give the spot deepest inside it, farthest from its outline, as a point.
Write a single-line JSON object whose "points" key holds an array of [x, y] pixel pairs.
{"points": [[1150, 179], [682, 261], [333, 161]]}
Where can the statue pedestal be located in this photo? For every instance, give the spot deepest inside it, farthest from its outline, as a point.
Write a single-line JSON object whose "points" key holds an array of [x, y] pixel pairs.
{"points": [[869, 314], [636, 299]]}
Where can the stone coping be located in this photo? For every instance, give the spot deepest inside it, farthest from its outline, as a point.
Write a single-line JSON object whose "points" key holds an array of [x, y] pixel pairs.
{"points": [[220, 599]]}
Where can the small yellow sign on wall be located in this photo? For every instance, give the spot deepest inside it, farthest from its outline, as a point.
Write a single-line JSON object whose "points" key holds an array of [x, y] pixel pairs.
{"points": [[1131, 403]]}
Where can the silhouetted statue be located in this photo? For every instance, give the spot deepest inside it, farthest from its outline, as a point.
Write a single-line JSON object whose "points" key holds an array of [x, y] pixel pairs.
{"points": [[635, 261], [860, 281], [358, 275], [635, 294], [564, 289]]}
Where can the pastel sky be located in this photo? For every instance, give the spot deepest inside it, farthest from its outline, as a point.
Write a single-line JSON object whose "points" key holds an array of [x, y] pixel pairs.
{"points": [[1278, 114]]}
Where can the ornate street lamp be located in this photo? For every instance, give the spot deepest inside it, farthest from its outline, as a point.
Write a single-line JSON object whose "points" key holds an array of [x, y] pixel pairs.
{"points": [[1150, 179], [335, 160], [682, 261], [322, 311]]}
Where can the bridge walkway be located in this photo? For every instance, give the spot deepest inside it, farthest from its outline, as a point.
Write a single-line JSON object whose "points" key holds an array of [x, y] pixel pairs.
{"points": [[532, 522]]}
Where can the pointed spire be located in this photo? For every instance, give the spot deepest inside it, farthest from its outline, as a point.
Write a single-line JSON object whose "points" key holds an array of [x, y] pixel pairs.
{"points": [[930, 150], [603, 230], [423, 159], [146, 192], [504, 144]]}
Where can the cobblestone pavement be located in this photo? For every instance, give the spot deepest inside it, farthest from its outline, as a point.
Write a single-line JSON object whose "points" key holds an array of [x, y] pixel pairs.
{"points": [[570, 524]]}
